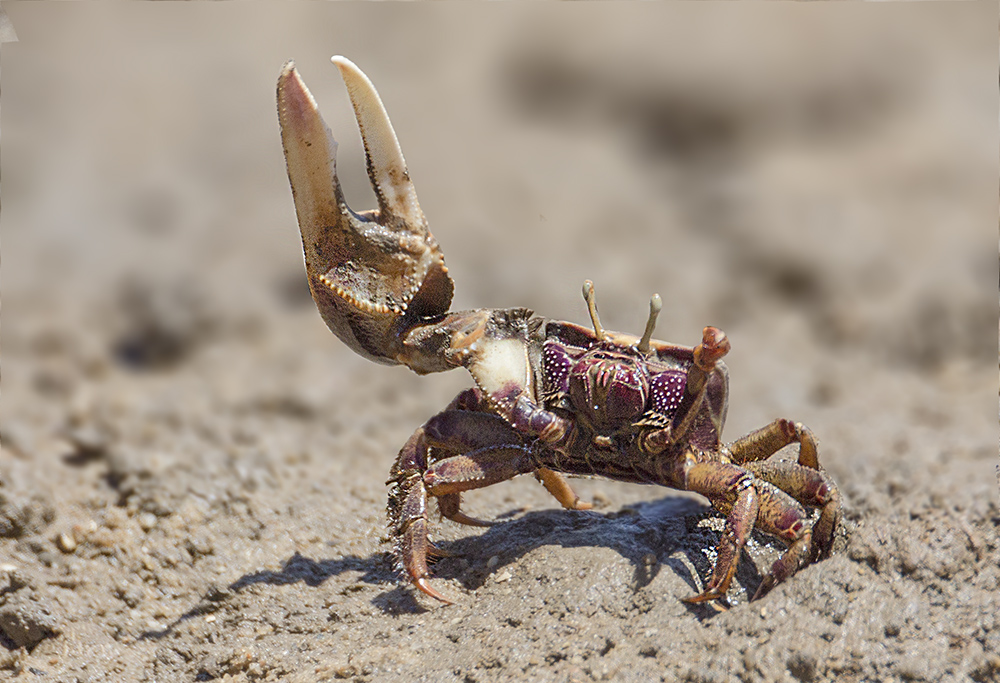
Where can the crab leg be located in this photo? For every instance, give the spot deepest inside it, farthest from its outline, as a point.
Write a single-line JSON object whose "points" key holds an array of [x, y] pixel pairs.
{"points": [[808, 487], [782, 516], [554, 483], [805, 481], [407, 510], [731, 489], [764, 442], [489, 450]]}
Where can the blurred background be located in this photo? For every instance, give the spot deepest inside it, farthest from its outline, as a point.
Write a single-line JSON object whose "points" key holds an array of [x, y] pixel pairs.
{"points": [[819, 177]]}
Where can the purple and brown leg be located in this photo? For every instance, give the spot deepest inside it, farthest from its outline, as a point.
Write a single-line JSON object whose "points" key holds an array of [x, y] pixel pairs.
{"points": [[535, 422], [732, 490], [461, 428], [782, 516], [494, 452], [809, 487], [407, 510], [805, 481], [764, 442], [555, 483]]}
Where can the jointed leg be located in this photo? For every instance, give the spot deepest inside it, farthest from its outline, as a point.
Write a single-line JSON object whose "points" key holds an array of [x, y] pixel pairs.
{"points": [[407, 510], [731, 489], [557, 485], [450, 505], [449, 431], [809, 487], [782, 516], [533, 421], [766, 441], [487, 450]]}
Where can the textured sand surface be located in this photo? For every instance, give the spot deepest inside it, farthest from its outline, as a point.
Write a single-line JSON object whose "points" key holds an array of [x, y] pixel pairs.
{"points": [[192, 467]]}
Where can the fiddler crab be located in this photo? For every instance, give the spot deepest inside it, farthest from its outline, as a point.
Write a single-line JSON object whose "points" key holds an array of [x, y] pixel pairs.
{"points": [[551, 398]]}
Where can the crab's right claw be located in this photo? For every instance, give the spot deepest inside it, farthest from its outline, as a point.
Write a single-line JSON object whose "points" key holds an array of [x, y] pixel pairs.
{"points": [[374, 274]]}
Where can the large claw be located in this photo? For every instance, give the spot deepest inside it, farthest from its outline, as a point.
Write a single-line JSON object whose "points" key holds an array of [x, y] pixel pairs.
{"points": [[374, 274]]}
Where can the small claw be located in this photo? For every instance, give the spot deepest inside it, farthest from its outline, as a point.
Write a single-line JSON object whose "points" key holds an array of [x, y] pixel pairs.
{"points": [[714, 346], [425, 587]]}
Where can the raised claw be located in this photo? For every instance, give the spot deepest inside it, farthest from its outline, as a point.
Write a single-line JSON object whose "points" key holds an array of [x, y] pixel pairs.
{"points": [[372, 274]]}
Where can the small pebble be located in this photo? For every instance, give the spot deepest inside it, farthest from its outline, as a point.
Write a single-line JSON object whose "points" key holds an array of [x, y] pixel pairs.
{"points": [[601, 499], [66, 543], [492, 562], [147, 520]]}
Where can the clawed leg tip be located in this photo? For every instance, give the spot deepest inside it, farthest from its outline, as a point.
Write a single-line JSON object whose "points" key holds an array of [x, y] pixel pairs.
{"points": [[703, 597], [763, 589], [426, 589], [712, 600], [436, 552]]}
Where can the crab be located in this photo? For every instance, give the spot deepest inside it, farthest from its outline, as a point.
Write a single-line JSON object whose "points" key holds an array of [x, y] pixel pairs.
{"points": [[550, 398]]}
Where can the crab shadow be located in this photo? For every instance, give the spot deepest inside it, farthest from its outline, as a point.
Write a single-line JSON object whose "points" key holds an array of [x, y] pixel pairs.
{"points": [[674, 532], [375, 569], [651, 535]]}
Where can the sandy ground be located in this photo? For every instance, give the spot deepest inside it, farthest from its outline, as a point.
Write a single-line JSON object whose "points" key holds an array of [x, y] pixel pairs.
{"points": [[192, 467]]}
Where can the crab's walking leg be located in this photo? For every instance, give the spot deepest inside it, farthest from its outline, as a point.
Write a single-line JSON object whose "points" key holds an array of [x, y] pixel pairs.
{"points": [[731, 489], [805, 481], [764, 442], [534, 421], [493, 452], [407, 509], [808, 487], [782, 516], [557, 485]]}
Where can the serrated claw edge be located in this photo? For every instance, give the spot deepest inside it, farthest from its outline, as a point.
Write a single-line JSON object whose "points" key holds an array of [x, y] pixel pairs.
{"points": [[372, 272]]}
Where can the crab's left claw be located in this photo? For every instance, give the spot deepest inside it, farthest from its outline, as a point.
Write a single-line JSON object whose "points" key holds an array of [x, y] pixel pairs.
{"points": [[375, 274]]}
